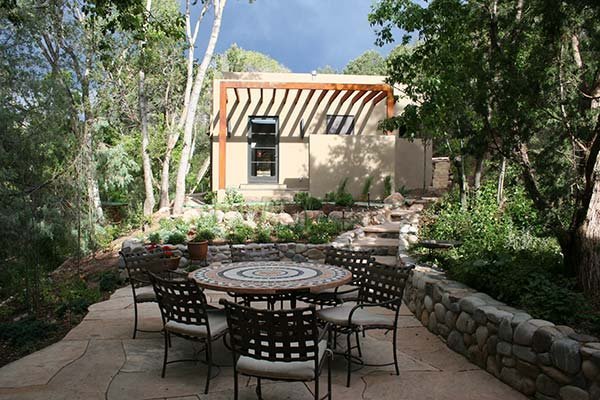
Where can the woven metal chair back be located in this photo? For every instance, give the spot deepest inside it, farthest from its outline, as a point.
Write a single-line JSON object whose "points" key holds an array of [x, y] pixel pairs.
{"points": [[259, 253], [383, 283], [139, 262], [281, 335], [180, 301], [355, 261]]}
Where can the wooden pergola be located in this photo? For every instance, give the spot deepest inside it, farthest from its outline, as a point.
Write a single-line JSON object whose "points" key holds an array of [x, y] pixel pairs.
{"points": [[353, 92]]}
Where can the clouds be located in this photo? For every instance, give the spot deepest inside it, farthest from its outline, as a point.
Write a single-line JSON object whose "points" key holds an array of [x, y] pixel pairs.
{"points": [[301, 34]]}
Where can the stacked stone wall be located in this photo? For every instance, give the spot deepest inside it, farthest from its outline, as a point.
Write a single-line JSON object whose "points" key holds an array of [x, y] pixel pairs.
{"points": [[536, 357]]}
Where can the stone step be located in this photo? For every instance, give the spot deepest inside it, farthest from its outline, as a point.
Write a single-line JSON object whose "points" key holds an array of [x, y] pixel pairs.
{"points": [[392, 261], [380, 246], [386, 230], [400, 215]]}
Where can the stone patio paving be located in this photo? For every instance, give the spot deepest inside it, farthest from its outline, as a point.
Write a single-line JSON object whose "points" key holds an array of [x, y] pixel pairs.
{"points": [[99, 360]]}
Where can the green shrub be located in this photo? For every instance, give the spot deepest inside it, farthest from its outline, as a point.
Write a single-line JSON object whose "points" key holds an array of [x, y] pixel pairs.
{"points": [[210, 197], [285, 234], [204, 234], [322, 230], [503, 255], [21, 334], [239, 232], [329, 197], [307, 202], [366, 189], [263, 234], [109, 281], [387, 186], [233, 196], [176, 238], [344, 199], [154, 238], [75, 297]]}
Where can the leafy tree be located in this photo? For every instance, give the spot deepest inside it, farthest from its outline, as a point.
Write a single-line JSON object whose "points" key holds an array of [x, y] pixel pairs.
{"points": [[236, 59], [328, 69], [368, 63], [525, 81]]}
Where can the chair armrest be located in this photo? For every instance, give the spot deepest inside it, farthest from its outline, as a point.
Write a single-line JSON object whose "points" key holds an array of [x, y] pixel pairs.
{"points": [[354, 289], [363, 305], [325, 330]]}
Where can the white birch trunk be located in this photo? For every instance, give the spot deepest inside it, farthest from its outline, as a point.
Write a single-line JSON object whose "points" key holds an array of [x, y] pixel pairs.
{"points": [[193, 106]]}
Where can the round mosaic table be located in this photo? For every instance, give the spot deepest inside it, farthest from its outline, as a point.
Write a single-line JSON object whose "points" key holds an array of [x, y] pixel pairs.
{"points": [[270, 277]]}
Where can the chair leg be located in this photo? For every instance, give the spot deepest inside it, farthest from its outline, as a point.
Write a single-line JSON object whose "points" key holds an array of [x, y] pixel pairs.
{"points": [[395, 345], [349, 357], [329, 376], [208, 363], [167, 340], [358, 344], [235, 385], [135, 318], [316, 385], [258, 389]]}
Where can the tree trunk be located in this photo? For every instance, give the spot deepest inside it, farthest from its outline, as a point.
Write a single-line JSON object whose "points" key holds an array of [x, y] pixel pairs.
{"points": [[173, 135], [478, 172], [500, 193], [462, 180], [149, 201], [192, 107]]}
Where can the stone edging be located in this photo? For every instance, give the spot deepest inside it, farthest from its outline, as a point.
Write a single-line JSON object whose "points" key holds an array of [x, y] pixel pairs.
{"points": [[534, 356]]}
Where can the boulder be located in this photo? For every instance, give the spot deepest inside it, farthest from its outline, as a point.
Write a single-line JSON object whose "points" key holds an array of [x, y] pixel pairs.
{"points": [[566, 356], [231, 216], [395, 199], [285, 219]]}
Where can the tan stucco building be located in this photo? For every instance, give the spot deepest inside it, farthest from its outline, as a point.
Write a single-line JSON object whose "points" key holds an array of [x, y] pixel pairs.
{"points": [[285, 133]]}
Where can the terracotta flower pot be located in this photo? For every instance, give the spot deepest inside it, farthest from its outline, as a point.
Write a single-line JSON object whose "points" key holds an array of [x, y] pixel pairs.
{"points": [[198, 250], [173, 263]]}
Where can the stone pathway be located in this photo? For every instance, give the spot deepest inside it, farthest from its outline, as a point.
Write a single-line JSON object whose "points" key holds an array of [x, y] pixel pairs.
{"points": [[99, 360]]}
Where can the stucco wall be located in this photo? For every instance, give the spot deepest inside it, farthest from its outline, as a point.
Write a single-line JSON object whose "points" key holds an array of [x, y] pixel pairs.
{"points": [[410, 163], [333, 158]]}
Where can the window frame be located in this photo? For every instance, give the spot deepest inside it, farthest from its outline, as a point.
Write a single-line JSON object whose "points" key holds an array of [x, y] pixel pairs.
{"points": [[332, 117], [250, 162]]}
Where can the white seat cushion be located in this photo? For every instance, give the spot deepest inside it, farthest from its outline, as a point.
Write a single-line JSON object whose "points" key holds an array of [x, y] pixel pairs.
{"points": [[362, 316], [145, 294], [216, 320], [293, 370], [350, 295]]}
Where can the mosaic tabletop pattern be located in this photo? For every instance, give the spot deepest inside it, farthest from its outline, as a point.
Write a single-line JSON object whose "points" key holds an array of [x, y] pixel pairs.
{"points": [[270, 277]]}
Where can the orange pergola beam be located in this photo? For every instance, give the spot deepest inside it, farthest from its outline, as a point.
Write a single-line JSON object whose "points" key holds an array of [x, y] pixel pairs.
{"points": [[385, 93]]}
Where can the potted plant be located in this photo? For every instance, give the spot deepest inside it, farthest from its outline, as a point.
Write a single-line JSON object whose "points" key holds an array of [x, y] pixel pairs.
{"points": [[172, 259], [198, 246]]}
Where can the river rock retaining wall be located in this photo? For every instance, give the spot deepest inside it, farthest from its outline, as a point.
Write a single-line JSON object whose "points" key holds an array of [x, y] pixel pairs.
{"points": [[536, 357]]}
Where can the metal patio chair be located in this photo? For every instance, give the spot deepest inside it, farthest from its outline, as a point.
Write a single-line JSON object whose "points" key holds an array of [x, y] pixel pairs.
{"points": [[381, 286], [186, 314], [355, 261], [138, 263], [281, 345]]}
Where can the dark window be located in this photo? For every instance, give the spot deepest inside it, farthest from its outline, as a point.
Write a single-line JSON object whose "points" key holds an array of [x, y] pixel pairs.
{"points": [[262, 146], [340, 124]]}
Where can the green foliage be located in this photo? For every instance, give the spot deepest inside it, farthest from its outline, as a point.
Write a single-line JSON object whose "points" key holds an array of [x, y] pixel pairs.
{"points": [[236, 59], [154, 238], [75, 297], [368, 63], [239, 232], [366, 189], [387, 186], [502, 254], [307, 202], [210, 197], [233, 196], [263, 234], [204, 234], [344, 199], [329, 197], [25, 332], [176, 238], [322, 230], [285, 234], [108, 281]]}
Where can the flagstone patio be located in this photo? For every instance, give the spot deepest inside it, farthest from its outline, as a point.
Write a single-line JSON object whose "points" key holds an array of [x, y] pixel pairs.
{"points": [[99, 360]]}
